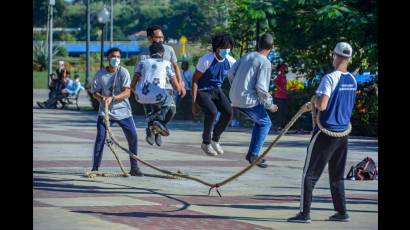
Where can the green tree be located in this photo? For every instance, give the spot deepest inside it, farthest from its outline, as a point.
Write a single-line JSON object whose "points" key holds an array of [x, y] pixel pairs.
{"points": [[40, 54], [69, 37], [306, 30]]}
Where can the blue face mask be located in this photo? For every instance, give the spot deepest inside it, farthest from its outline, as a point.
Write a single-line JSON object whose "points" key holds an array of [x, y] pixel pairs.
{"points": [[224, 52]]}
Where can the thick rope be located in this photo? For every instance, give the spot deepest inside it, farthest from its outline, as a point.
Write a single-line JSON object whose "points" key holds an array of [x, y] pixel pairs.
{"points": [[316, 120], [283, 131], [217, 185]]}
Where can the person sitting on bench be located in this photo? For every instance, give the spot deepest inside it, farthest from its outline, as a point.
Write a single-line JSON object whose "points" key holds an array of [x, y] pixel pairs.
{"points": [[71, 88]]}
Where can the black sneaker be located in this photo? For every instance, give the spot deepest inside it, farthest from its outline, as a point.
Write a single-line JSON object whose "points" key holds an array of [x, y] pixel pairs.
{"points": [[150, 136], [158, 139], [40, 104], [340, 217], [94, 169], [136, 172], [248, 158], [252, 158], [300, 218]]}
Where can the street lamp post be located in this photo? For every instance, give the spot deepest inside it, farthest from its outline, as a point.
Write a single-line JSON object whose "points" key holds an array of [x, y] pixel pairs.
{"points": [[102, 17], [87, 44], [50, 41], [112, 23]]}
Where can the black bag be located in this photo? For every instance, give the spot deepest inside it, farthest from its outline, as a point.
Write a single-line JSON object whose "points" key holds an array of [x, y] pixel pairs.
{"points": [[364, 170]]}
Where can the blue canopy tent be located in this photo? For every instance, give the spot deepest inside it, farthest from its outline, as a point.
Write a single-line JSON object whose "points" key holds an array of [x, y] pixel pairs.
{"points": [[128, 49]]}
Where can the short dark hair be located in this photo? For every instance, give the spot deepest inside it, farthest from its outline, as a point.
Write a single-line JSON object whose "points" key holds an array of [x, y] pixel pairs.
{"points": [[114, 49], [150, 30], [156, 48], [266, 41], [221, 40], [76, 76]]}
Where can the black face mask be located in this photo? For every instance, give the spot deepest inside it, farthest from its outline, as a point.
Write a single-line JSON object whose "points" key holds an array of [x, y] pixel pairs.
{"points": [[156, 55]]}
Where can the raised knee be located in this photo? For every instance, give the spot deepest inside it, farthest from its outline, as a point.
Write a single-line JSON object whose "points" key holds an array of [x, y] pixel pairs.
{"points": [[266, 122], [212, 114]]}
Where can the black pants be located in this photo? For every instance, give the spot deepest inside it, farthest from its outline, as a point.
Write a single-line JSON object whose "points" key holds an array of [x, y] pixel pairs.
{"points": [[166, 110], [281, 113], [324, 149], [52, 103], [212, 102]]}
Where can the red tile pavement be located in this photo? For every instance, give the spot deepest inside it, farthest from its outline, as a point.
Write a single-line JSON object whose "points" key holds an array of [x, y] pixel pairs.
{"points": [[164, 218]]}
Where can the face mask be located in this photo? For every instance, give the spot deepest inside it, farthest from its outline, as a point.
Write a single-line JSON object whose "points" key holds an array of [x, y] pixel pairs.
{"points": [[156, 55], [115, 62], [224, 52]]}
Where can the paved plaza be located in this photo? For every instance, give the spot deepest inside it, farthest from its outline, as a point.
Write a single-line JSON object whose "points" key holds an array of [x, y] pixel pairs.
{"points": [[63, 198]]}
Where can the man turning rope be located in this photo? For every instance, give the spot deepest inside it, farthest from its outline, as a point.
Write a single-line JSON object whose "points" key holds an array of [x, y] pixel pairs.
{"points": [[335, 100], [112, 85]]}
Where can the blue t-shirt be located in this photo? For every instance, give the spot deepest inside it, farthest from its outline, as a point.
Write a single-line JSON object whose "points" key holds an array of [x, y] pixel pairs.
{"points": [[341, 88], [214, 71]]}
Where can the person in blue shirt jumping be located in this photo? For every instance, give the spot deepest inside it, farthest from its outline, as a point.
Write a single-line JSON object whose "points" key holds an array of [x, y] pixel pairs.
{"points": [[211, 70], [335, 99]]}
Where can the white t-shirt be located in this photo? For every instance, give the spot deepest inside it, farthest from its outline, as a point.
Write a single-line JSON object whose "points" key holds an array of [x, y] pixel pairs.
{"points": [[155, 73], [330, 81], [205, 61], [169, 54]]}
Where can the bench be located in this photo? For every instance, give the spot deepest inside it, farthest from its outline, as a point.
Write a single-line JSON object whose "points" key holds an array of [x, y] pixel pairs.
{"points": [[71, 100]]}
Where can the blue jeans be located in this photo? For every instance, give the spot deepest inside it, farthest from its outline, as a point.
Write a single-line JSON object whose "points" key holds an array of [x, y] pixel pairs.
{"points": [[130, 131], [261, 127]]}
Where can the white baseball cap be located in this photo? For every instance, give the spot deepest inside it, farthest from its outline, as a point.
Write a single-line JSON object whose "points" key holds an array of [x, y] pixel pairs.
{"points": [[343, 49]]}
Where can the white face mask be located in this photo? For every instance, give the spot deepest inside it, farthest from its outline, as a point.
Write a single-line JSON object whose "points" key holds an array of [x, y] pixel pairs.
{"points": [[115, 62]]}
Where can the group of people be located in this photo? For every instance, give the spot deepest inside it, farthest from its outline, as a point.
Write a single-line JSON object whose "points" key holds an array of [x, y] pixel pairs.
{"points": [[61, 85], [157, 76]]}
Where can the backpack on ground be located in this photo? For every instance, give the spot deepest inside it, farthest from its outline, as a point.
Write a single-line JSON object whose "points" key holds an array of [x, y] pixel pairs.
{"points": [[364, 170]]}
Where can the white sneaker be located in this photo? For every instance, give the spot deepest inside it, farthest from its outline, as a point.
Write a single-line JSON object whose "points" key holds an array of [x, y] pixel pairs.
{"points": [[208, 149], [217, 147]]}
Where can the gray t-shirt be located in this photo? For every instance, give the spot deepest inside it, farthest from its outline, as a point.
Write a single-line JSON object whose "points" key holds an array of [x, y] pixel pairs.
{"points": [[249, 78], [169, 54], [104, 82]]}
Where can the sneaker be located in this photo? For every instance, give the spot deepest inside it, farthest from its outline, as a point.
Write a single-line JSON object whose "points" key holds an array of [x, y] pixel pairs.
{"points": [[217, 147], [340, 217], [158, 139], [160, 128], [136, 172], [150, 136], [252, 158], [300, 218], [40, 104], [208, 149]]}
